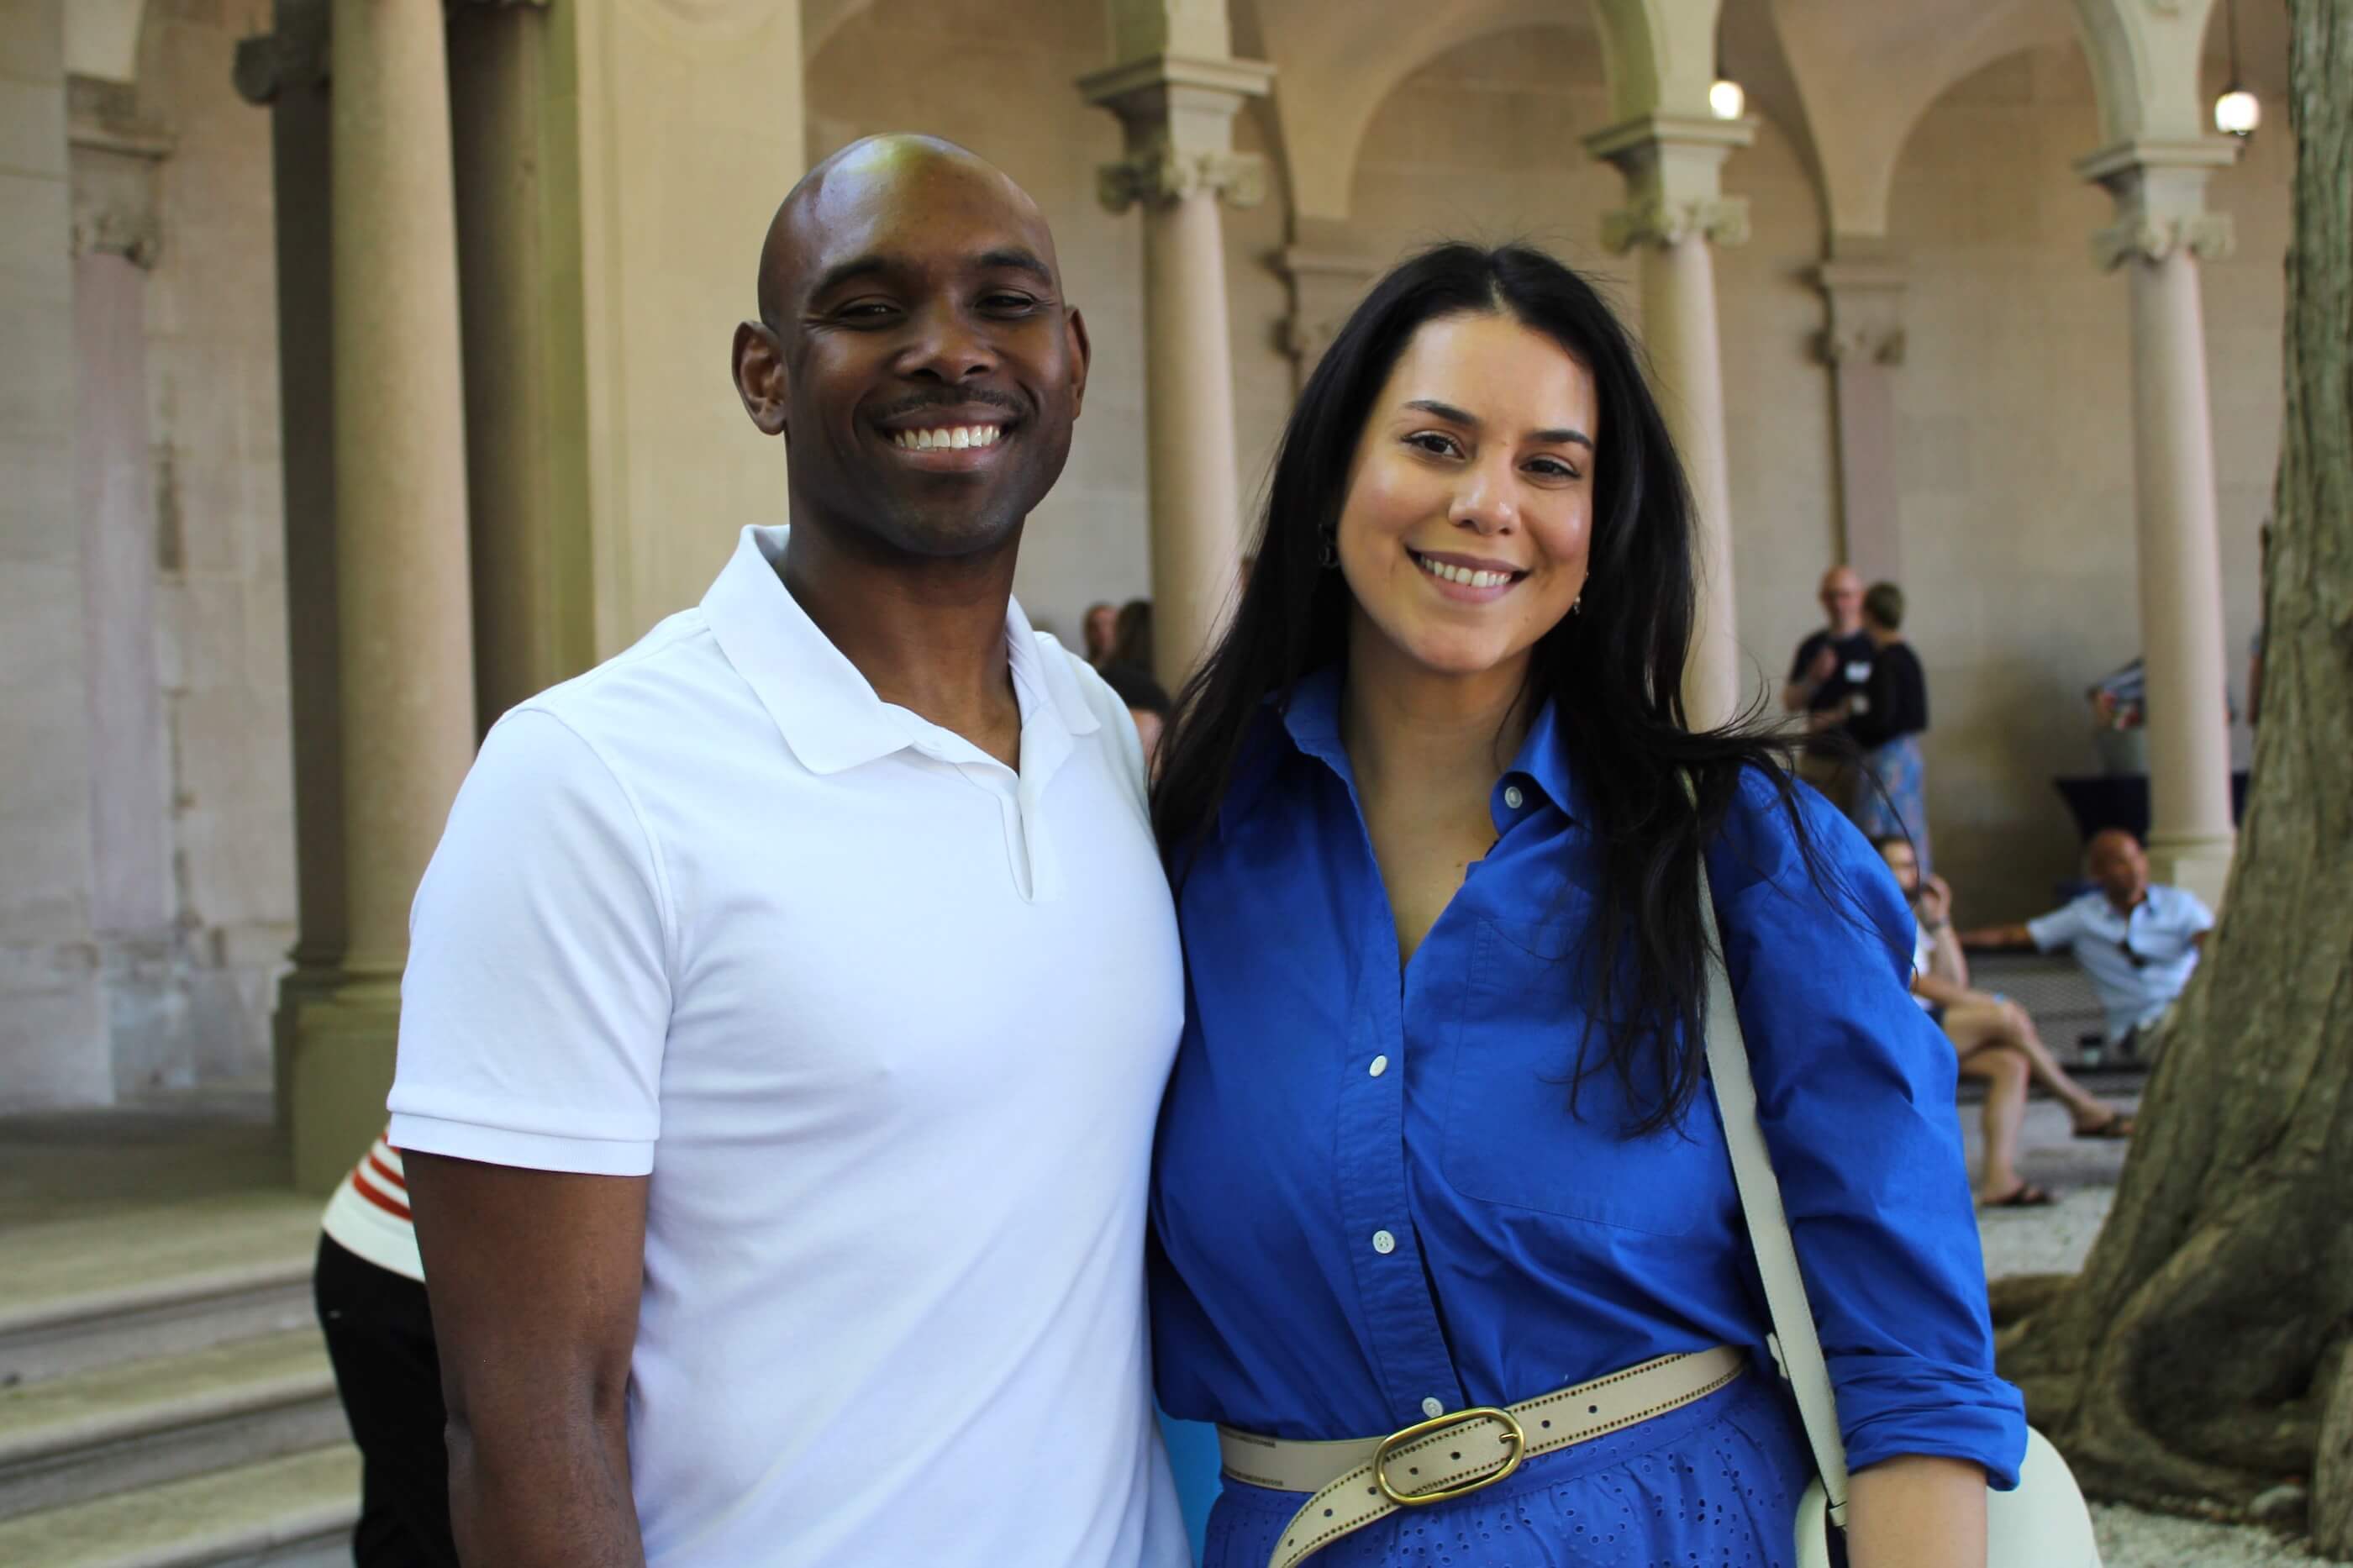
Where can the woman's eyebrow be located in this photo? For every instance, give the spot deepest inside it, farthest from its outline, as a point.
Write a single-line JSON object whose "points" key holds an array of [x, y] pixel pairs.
{"points": [[1448, 412]]}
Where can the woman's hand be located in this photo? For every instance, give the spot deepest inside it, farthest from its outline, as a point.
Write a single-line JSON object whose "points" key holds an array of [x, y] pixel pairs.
{"points": [[1917, 1512]]}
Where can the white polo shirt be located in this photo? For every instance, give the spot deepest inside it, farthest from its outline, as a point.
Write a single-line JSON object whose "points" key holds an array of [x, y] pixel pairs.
{"points": [[2135, 987], [887, 1024]]}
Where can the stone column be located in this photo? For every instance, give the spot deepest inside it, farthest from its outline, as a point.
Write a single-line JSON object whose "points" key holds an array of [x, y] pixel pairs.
{"points": [[404, 628], [286, 70], [1676, 210], [2161, 233], [1328, 273], [1178, 114], [1862, 346], [117, 237]]}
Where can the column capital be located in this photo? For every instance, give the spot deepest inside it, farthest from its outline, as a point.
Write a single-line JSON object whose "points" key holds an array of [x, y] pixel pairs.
{"points": [[2160, 193], [1673, 166], [1865, 296], [1179, 113], [1328, 274], [112, 156], [1160, 173], [1650, 221], [1160, 85]]}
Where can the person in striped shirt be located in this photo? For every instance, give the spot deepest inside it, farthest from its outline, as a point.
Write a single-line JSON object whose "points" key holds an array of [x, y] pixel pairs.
{"points": [[369, 1287]]}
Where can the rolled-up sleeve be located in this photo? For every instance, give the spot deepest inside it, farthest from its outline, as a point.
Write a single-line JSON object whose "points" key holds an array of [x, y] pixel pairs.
{"points": [[1854, 1088]]}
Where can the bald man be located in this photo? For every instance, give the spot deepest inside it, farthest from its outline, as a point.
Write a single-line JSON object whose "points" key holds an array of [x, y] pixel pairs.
{"points": [[790, 997], [1834, 660], [2139, 941]]}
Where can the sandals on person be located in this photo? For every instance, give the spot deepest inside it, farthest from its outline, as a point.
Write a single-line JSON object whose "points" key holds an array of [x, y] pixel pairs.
{"points": [[2027, 1196], [2117, 1125]]}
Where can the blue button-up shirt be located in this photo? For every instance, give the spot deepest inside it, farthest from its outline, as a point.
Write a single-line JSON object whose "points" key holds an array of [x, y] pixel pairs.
{"points": [[1374, 1202]]}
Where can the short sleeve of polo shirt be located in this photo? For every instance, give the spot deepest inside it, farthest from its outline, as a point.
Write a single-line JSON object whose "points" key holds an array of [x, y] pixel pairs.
{"points": [[2055, 930], [537, 1002], [2195, 916]]}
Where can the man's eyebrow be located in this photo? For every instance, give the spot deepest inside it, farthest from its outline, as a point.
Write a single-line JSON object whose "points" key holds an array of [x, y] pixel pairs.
{"points": [[850, 271], [1454, 416], [1015, 259]]}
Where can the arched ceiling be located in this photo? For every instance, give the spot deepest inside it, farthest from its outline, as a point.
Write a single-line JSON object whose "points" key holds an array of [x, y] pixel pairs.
{"points": [[1861, 87], [1335, 65], [1847, 78]]}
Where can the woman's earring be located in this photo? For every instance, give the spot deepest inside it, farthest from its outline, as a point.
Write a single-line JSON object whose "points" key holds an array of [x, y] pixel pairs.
{"points": [[1330, 556], [1577, 603]]}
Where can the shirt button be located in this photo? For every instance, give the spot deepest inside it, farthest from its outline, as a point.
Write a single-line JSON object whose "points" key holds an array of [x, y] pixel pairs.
{"points": [[1380, 1065], [1433, 1407], [1384, 1243], [1513, 797]]}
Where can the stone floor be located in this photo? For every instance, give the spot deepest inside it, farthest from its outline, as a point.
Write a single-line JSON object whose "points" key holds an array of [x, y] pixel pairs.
{"points": [[81, 1164]]}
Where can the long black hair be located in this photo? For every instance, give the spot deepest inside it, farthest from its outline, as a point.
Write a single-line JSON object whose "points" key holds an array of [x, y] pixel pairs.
{"points": [[1614, 671]]}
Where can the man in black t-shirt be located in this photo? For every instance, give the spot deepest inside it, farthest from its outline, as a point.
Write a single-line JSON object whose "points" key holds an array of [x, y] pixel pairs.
{"points": [[1835, 660], [1830, 665]]}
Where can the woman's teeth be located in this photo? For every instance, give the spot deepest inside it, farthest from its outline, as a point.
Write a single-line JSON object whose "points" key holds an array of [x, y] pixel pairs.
{"points": [[1463, 575], [958, 437]]}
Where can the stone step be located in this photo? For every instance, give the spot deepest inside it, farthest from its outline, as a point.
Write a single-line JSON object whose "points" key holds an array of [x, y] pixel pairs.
{"points": [[141, 1423], [291, 1512], [158, 1280]]}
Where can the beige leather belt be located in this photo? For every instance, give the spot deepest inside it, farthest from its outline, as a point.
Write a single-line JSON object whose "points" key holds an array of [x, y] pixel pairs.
{"points": [[1359, 1479]]}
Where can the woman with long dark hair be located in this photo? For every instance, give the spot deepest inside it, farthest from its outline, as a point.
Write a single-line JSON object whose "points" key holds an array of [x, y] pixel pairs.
{"points": [[1437, 1137]]}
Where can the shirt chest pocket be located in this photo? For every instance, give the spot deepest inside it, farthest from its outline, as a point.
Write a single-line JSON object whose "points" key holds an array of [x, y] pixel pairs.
{"points": [[1510, 1136]]}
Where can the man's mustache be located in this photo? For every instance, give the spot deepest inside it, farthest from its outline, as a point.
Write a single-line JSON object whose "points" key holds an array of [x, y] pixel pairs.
{"points": [[947, 398]]}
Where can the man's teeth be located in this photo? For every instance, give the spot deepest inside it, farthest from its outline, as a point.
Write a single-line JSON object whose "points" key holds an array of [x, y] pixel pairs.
{"points": [[958, 436], [1463, 575]]}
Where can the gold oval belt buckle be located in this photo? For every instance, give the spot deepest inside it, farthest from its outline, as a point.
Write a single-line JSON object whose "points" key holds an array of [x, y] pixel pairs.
{"points": [[1514, 1436]]}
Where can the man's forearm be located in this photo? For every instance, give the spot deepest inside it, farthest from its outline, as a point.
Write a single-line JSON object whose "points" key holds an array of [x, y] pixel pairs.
{"points": [[1998, 936], [555, 1498]]}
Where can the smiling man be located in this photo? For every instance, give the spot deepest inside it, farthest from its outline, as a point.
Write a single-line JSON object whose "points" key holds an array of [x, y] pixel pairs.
{"points": [[790, 998]]}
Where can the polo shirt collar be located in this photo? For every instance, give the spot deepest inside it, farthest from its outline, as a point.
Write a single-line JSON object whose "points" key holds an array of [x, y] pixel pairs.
{"points": [[827, 711]]}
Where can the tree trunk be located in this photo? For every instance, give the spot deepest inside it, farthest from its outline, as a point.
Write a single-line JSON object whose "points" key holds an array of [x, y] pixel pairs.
{"points": [[2194, 1357]]}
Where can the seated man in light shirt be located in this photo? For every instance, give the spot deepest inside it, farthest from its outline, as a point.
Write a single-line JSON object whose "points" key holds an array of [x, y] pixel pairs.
{"points": [[2139, 941]]}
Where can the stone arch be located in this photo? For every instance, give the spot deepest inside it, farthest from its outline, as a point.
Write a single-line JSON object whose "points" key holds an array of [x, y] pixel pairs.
{"points": [[1336, 65], [1864, 92], [2145, 56]]}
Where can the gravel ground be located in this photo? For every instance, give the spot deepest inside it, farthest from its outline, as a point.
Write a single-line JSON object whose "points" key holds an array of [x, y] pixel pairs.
{"points": [[2082, 1173]]}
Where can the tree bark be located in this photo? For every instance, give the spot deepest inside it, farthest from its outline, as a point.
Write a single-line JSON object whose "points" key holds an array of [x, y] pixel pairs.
{"points": [[2197, 1354]]}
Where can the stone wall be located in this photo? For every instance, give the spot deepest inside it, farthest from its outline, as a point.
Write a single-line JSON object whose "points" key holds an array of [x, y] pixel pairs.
{"points": [[212, 373], [51, 1012], [146, 823]]}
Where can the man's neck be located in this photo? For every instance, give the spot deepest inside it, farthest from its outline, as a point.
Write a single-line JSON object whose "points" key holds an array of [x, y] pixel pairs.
{"points": [[1842, 631], [927, 635]]}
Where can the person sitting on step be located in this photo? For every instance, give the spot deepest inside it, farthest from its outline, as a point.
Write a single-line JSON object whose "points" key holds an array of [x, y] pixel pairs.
{"points": [[1995, 1038], [2138, 942]]}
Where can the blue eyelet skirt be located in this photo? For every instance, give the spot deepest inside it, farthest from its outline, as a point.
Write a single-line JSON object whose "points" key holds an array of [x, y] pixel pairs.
{"points": [[1713, 1485]]}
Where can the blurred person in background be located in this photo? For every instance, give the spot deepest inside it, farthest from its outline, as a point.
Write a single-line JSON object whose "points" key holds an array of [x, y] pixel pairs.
{"points": [[1884, 716]]}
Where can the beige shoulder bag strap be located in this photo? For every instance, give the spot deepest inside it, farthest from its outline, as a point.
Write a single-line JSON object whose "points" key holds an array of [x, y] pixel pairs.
{"points": [[1796, 1344]]}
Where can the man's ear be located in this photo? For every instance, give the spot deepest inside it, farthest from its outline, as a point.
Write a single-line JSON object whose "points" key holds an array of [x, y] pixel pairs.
{"points": [[760, 379], [1081, 353]]}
